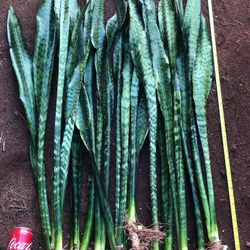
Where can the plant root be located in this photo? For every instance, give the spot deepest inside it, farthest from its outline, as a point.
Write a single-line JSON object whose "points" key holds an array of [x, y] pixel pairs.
{"points": [[141, 237], [217, 245]]}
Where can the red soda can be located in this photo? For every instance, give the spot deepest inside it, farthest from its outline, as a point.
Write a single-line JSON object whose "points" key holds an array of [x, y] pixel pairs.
{"points": [[21, 238]]}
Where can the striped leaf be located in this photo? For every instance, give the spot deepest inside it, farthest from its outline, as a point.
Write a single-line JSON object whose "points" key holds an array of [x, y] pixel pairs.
{"points": [[111, 31], [168, 29], [141, 57], [108, 99], [90, 217], [181, 187], [202, 83], [74, 44], [43, 64], [167, 203], [186, 111], [117, 69], [133, 146], [191, 28], [57, 8], [73, 9], [64, 28], [142, 123], [98, 26], [162, 80], [85, 121], [22, 64], [121, 10], [125, 130], [178, 4], [203, 69], [85, 113], [87, 25], [75, 86], [98, 42], [76, 163]]}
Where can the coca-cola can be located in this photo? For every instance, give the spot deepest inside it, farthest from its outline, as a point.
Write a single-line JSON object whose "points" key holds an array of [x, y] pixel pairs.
{"points": [[21, 238]]}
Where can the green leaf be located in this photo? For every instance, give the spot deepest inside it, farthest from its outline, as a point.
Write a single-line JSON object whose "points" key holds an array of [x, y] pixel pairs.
{"points": [[167, 206], [117, 69], [64, 29], [74, 44], [161, 74], [98, 38], [178, 4], [22, 64], [90, 216], [186, 111], [98, 26], [87, 25], [108, 99], [179, 161], [203, 70], [140, 51], [142, 123], [85, 120], [76, 163], [44, 52], [85, 113], [70, 117], [191, 28], [121, 9], [169, 16], [98, 41], [168, 29], [133, 146], [111, 31], [202, 83], [89, 77], [125, 130], [105, 207], [43, 65], [74, 10], [57, 8]]}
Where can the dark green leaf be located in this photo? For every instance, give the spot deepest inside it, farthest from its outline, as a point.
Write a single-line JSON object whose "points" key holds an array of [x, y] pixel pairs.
{"points": [[43, 63], [142, 123], [22, 64], [121, 9], [140, 50]]}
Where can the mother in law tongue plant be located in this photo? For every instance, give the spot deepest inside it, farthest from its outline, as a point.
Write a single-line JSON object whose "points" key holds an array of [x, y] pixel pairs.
{"points": [[34, 74], [161, 64]]}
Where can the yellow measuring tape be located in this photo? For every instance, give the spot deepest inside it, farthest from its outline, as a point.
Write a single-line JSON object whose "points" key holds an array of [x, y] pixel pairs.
{"points": [[223, 131]]}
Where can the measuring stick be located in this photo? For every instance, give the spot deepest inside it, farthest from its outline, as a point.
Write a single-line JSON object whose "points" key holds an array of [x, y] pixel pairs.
{"points": [[223, 131]]}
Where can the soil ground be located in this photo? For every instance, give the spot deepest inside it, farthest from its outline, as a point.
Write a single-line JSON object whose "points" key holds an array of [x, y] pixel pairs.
{"points": [[18, 198]]}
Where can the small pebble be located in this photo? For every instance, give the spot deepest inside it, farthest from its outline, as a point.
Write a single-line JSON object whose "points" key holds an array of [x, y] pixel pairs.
{"points": [[222, 172]]}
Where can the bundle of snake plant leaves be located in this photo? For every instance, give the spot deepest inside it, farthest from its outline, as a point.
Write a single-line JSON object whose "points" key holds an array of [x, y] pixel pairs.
{"points": [[156, 67]]}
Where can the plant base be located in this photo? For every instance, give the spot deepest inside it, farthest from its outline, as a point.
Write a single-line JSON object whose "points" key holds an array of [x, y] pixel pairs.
{"points": [[217, 245], [141, 237]]}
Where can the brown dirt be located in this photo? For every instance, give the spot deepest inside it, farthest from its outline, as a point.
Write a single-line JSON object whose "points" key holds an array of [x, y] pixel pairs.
{"points": [[18, 200]]}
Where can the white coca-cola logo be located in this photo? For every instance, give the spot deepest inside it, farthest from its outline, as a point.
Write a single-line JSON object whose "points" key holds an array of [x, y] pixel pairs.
{"points": [[19, 245]]}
